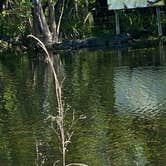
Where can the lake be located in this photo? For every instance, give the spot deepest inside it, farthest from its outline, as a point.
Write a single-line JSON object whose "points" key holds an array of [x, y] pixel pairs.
{"points": [[122, 94]]}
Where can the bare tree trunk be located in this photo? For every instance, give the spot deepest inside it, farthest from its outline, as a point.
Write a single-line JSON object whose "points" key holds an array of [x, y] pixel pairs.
{"points": [[60, 18], [53, 26], [40, 25], [49, 32]]}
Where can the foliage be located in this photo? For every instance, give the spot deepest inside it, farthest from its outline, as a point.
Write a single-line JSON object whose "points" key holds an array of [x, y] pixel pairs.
{"points": [[14, 20], [81, 19], [77, 20]]}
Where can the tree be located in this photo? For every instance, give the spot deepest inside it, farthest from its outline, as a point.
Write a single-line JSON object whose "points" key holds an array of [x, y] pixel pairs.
{"points": [[47, 29]]}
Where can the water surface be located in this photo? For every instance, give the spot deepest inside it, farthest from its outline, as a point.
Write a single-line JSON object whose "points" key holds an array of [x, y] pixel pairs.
{"points": [[121, 92]]}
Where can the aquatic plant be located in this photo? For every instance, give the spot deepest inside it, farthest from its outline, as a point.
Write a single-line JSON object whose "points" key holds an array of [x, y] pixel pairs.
{"points": [[58, 120]]}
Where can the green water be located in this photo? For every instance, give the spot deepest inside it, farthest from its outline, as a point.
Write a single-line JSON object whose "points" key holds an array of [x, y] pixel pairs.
{"points": [[122, 93]]}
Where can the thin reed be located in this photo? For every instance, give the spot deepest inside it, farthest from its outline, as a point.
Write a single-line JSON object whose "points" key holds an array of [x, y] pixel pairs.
{"points": [[63, 136]]}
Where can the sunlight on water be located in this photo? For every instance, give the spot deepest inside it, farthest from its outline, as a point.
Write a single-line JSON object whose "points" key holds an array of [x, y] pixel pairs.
{"points": [[140, 91]]}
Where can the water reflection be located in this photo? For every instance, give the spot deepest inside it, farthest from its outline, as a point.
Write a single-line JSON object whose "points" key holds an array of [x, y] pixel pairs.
{"points": [[22, 116], [140, 91], [14, 128], [122, 93]]}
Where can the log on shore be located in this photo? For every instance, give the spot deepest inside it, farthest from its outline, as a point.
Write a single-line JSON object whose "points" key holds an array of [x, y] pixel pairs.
{"points": [[96, 42]]}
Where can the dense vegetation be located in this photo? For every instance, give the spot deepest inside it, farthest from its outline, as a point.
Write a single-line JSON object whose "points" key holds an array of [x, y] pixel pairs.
{"points": [[56, 20], [17, 18]]}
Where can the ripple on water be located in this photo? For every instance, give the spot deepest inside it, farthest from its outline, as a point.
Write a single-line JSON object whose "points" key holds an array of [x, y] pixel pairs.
{"points": [[140, 91]]}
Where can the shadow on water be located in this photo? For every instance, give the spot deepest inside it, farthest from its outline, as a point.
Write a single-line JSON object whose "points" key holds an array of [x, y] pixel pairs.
{"points": [[122, 92]]}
